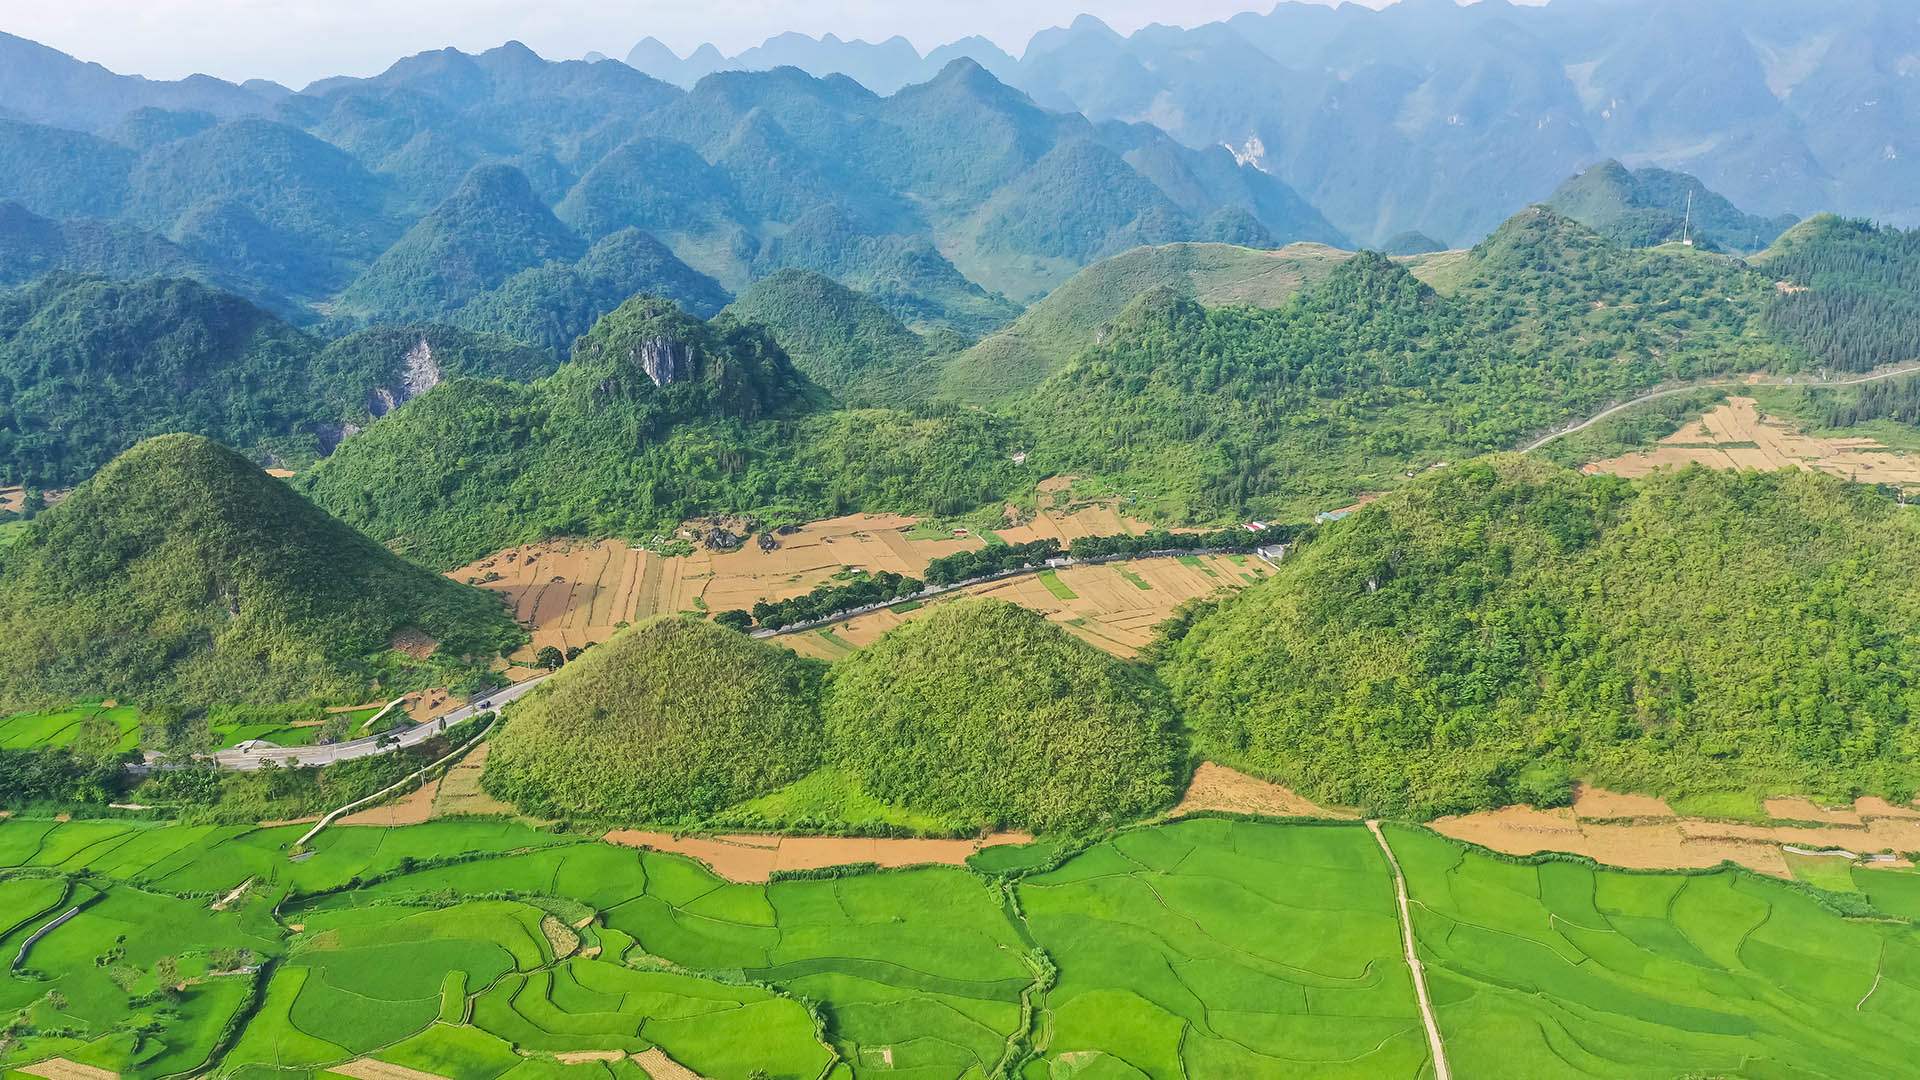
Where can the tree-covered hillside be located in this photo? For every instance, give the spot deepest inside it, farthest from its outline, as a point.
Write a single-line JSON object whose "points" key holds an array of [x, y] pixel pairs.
{"points": [[658, 418], [414, 193], [88, 367], [669, 720], [182, 573], [1849, 292], [843, 340], [1370, 373], [986, 713], [1504, 626]]}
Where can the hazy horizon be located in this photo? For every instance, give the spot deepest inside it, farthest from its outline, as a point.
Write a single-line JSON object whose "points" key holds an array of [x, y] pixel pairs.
{"points": [[296, 43]]}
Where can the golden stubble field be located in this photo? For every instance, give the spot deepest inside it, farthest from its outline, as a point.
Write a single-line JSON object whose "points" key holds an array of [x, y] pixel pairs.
{"points": [[1113, 605], [569, 593], [1735, 436]]}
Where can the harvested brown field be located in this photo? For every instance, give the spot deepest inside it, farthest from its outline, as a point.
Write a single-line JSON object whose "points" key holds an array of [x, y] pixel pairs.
{"points": [[1641, 832], [63, 1069], [1735, 436], [369, 1069], [1109, 607], [1216, 787], [411, 809], [569, 593], [459, 790], [659, 1066], [581, 1057], [754, 858]]}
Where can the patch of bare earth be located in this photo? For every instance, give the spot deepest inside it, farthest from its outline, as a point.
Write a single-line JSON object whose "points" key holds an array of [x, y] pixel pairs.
{"points": [[412, 809], [752, 858], [581, 1057], [1642, 832], [1216, 787], [659, 1066], [63, 1069], [414, 643], [369, 1069]]}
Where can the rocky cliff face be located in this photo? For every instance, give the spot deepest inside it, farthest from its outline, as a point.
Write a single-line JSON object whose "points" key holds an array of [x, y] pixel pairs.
{"points": [[665, 360], [419, 373]]}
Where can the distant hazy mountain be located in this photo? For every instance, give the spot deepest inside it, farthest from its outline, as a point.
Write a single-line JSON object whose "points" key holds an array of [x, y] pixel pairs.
{"points": [[1433, 116], [450, 177], [1644, 207]]}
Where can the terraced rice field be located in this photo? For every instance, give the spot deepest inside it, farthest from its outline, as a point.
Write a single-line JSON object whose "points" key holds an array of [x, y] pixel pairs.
{"points": [[1735, 436], [1113, 605], [1204, 947]]}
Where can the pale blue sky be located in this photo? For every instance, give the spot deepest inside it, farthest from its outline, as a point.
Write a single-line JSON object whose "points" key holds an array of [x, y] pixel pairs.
{"points": [[296, 41]]}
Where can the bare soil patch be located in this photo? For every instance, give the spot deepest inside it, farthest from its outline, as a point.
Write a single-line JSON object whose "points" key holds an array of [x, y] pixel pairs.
{"points": [[414, 643], [659, 1066], [754, 858], [1734, 436], [63, 1069], [1216, 787], [369, 1069], [581, 1057]]}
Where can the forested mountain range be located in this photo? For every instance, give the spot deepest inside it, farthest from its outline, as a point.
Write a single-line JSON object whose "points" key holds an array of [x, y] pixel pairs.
{"points": [[474, 188], [1441, 117]]}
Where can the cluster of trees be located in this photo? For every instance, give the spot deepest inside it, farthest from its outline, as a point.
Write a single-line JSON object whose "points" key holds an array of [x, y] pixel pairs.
{"points": [[1237, 538], [828, 598], [59, 775], [990, 560], [88, 367], [598, 449]]}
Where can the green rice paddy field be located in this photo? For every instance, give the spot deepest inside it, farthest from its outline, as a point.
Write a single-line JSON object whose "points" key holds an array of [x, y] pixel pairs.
{"points": [[1210, 947]]}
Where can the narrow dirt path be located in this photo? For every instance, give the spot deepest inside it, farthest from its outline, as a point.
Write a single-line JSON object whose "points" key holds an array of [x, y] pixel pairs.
{"points": [[1440, 1071]]}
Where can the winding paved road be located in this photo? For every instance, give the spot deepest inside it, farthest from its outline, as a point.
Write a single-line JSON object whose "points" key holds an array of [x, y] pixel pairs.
{"points": [[252, 756], [1729, 383]]}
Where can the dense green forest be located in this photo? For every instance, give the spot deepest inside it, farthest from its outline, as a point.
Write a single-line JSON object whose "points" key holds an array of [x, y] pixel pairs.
{"points": [[1504, 626], [1851, 292], [669, 720], [182, 573], [986, 713], [90, 366]]}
